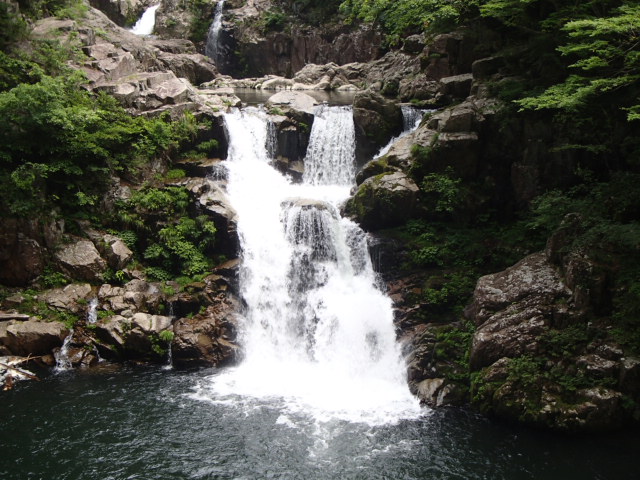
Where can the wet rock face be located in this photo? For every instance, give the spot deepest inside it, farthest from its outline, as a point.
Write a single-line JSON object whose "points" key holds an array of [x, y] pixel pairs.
{"points": [[376, 120], [145, 75]]}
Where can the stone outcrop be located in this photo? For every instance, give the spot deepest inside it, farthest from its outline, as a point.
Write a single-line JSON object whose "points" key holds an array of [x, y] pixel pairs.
{"points": [[80, 260], [146, 75], [138, 336], [121, 12], [135, 296], [519, 313], [513, 308], [383, 201], [72, 298], [212, 199], [208, 338], [23, 248], [292, 129], [376, 120], [250, 51], [32, 337]]}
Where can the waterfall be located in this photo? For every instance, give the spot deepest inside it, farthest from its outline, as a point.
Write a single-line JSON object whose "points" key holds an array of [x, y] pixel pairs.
{"points": [[317, 333], [331, 152], [411, 118], [211, 47], [63, 362], [92, 313], [144, 26]]}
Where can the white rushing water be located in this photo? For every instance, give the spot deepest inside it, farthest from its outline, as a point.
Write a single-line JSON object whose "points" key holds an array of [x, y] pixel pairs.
{"points": [[411, 118], [146, 23], [63, 361], [318, 334], [92, 312], [211, 47]]}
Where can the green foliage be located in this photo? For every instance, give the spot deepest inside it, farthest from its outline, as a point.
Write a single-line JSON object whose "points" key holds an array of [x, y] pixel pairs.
{"points": [[202, 11], [13, 28], [178, 245], [51, 278], [605, 57], [82, 140], [400, 18], [314, 12], [444, 188], [175, 174], [166, 336], [273, 20]]}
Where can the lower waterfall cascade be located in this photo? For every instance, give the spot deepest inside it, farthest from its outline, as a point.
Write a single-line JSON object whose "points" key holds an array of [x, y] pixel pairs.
{"points": [[318, 333]]}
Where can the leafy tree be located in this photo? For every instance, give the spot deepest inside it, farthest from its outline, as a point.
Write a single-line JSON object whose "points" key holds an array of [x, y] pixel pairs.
{"points": [[606, 59], [403, 17]]}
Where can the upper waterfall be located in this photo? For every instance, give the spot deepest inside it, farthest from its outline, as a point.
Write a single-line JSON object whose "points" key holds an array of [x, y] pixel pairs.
{"points": [[330, 158], [318, 334], [211, 47], [146, 23]]}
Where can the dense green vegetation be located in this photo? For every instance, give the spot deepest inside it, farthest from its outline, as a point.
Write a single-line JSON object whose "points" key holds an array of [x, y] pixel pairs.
{"points": [[156, 224], [61, 146]]}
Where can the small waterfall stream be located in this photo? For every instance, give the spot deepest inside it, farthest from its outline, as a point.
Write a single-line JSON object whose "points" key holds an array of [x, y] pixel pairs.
{"points": [[211, 47], [146, 23], [411, 118], [318, 334], [63, 361]]}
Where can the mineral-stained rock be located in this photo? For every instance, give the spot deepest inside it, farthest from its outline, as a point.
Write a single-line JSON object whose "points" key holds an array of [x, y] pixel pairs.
{"points": [[81, 260]]}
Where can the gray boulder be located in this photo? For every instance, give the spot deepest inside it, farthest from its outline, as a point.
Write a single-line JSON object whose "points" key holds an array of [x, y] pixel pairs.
{"points": [[32, 337], [208, 338], [81, 260], [383, 201], [70, 298]]}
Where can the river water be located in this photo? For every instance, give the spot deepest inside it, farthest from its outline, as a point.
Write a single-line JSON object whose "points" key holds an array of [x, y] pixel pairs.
{"points": [[148, 424]]}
